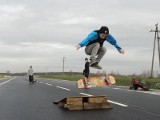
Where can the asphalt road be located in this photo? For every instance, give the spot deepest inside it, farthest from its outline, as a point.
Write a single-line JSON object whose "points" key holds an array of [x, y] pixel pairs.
{"points": [[20, 100]]}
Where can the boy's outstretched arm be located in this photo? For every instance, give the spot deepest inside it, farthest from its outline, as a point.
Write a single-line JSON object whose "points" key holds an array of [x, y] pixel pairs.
{"points": [[78, 47], [122, 51]]}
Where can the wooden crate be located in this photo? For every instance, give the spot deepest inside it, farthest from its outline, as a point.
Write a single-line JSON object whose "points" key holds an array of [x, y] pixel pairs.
{"points": [[74, 100], [96, 106], [73, 106], [82, 102], [97, 99]]}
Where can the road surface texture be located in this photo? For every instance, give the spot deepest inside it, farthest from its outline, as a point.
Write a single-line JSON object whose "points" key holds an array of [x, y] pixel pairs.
{"points": [[20, 100]]}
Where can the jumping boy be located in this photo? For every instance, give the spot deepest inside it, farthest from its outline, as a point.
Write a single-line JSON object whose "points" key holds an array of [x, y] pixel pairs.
{"points": [[94, 45]]}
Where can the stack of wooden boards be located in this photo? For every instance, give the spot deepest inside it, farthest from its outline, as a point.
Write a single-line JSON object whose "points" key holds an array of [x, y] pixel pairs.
{"points": [[83, 102]]}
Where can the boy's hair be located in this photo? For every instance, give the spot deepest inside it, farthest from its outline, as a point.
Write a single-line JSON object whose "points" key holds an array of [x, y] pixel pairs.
{"points": [[104, 30]]}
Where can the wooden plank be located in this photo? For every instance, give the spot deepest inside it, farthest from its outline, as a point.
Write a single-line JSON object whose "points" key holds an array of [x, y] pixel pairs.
{"points": [[97, 99], [83, 102], [73, 106], [74, 100], [61, 104], [97, 106]]}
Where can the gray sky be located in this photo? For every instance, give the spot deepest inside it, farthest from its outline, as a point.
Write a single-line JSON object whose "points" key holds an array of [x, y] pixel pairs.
{"points": [[41, 32]]}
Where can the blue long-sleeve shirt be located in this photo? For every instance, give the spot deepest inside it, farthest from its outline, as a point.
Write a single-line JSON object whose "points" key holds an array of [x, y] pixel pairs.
{"points": [[94, 35]]}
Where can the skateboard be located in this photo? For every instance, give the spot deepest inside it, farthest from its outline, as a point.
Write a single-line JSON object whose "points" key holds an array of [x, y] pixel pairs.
{"points": [[99, 81]]}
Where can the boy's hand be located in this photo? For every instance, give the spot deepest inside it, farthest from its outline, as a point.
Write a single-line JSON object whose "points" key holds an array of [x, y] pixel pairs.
{"points": [[78, 47], [122, 51]]}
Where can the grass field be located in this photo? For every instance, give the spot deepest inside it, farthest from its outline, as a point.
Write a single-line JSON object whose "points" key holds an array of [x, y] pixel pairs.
{"points": [[1, 76], [4, 76], [120, 80]]}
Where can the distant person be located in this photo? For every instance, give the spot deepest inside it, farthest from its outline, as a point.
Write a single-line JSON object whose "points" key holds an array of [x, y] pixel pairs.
{"points": [[30, 74], [137, 83], [94, 45]]}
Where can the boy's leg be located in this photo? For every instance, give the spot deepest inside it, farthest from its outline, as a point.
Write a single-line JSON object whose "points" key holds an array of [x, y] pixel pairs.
{"points": [[29, 78], [92, 50], [101, 53]]}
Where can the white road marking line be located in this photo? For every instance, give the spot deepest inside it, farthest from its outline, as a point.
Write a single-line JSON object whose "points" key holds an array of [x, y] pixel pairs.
{"points": [[5, 82], [48, 84], [86, 94], [153, 93], [117, 103], [146, 92], [63, 88], [117, 88], [41, 82], [149, 92]]}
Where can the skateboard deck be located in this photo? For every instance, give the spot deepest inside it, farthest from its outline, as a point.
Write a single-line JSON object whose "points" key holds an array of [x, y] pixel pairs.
{"points": [[98, 81]]}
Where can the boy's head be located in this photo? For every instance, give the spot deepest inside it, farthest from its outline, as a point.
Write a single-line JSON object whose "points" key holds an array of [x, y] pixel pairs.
{"points": [[103, 32]]}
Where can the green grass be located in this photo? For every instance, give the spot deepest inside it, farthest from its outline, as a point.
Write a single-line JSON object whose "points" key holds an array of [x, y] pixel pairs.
{"points": [[120, 80], [63, 77], [1, 77]]}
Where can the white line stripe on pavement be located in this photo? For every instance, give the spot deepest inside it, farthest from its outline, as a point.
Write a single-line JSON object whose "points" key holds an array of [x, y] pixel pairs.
{"points": [[117, 88], [86, 94], [5, 82], [146, 92], [63, 88], [117, 103], [48, 84], [149, 92], [41, 82]]}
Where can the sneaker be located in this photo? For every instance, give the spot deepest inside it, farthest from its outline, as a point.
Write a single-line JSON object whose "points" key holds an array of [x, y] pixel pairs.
{"points": [[93, 62], [96, 66]]}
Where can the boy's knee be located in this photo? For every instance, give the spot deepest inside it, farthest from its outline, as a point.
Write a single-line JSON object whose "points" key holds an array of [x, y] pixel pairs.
{"points": [[104, 50]]}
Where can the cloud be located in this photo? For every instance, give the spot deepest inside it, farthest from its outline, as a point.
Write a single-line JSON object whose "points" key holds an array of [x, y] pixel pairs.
{"points": [[42, 32], [74, 20]]}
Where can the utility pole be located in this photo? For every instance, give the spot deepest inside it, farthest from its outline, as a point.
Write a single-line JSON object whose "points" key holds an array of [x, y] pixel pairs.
{"points": [[156, 36], [63, 64], [46, 70]]}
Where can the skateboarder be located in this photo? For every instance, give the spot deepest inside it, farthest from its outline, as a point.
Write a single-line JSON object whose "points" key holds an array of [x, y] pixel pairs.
{"points": [[94, 45], [30, 73]]}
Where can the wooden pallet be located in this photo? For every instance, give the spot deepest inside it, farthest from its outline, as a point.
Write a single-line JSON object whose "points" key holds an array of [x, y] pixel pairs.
{"points": [[83, 102]]}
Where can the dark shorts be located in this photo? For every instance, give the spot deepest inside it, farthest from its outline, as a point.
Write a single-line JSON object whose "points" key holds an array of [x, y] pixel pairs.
{"points": [[30, 78]]}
